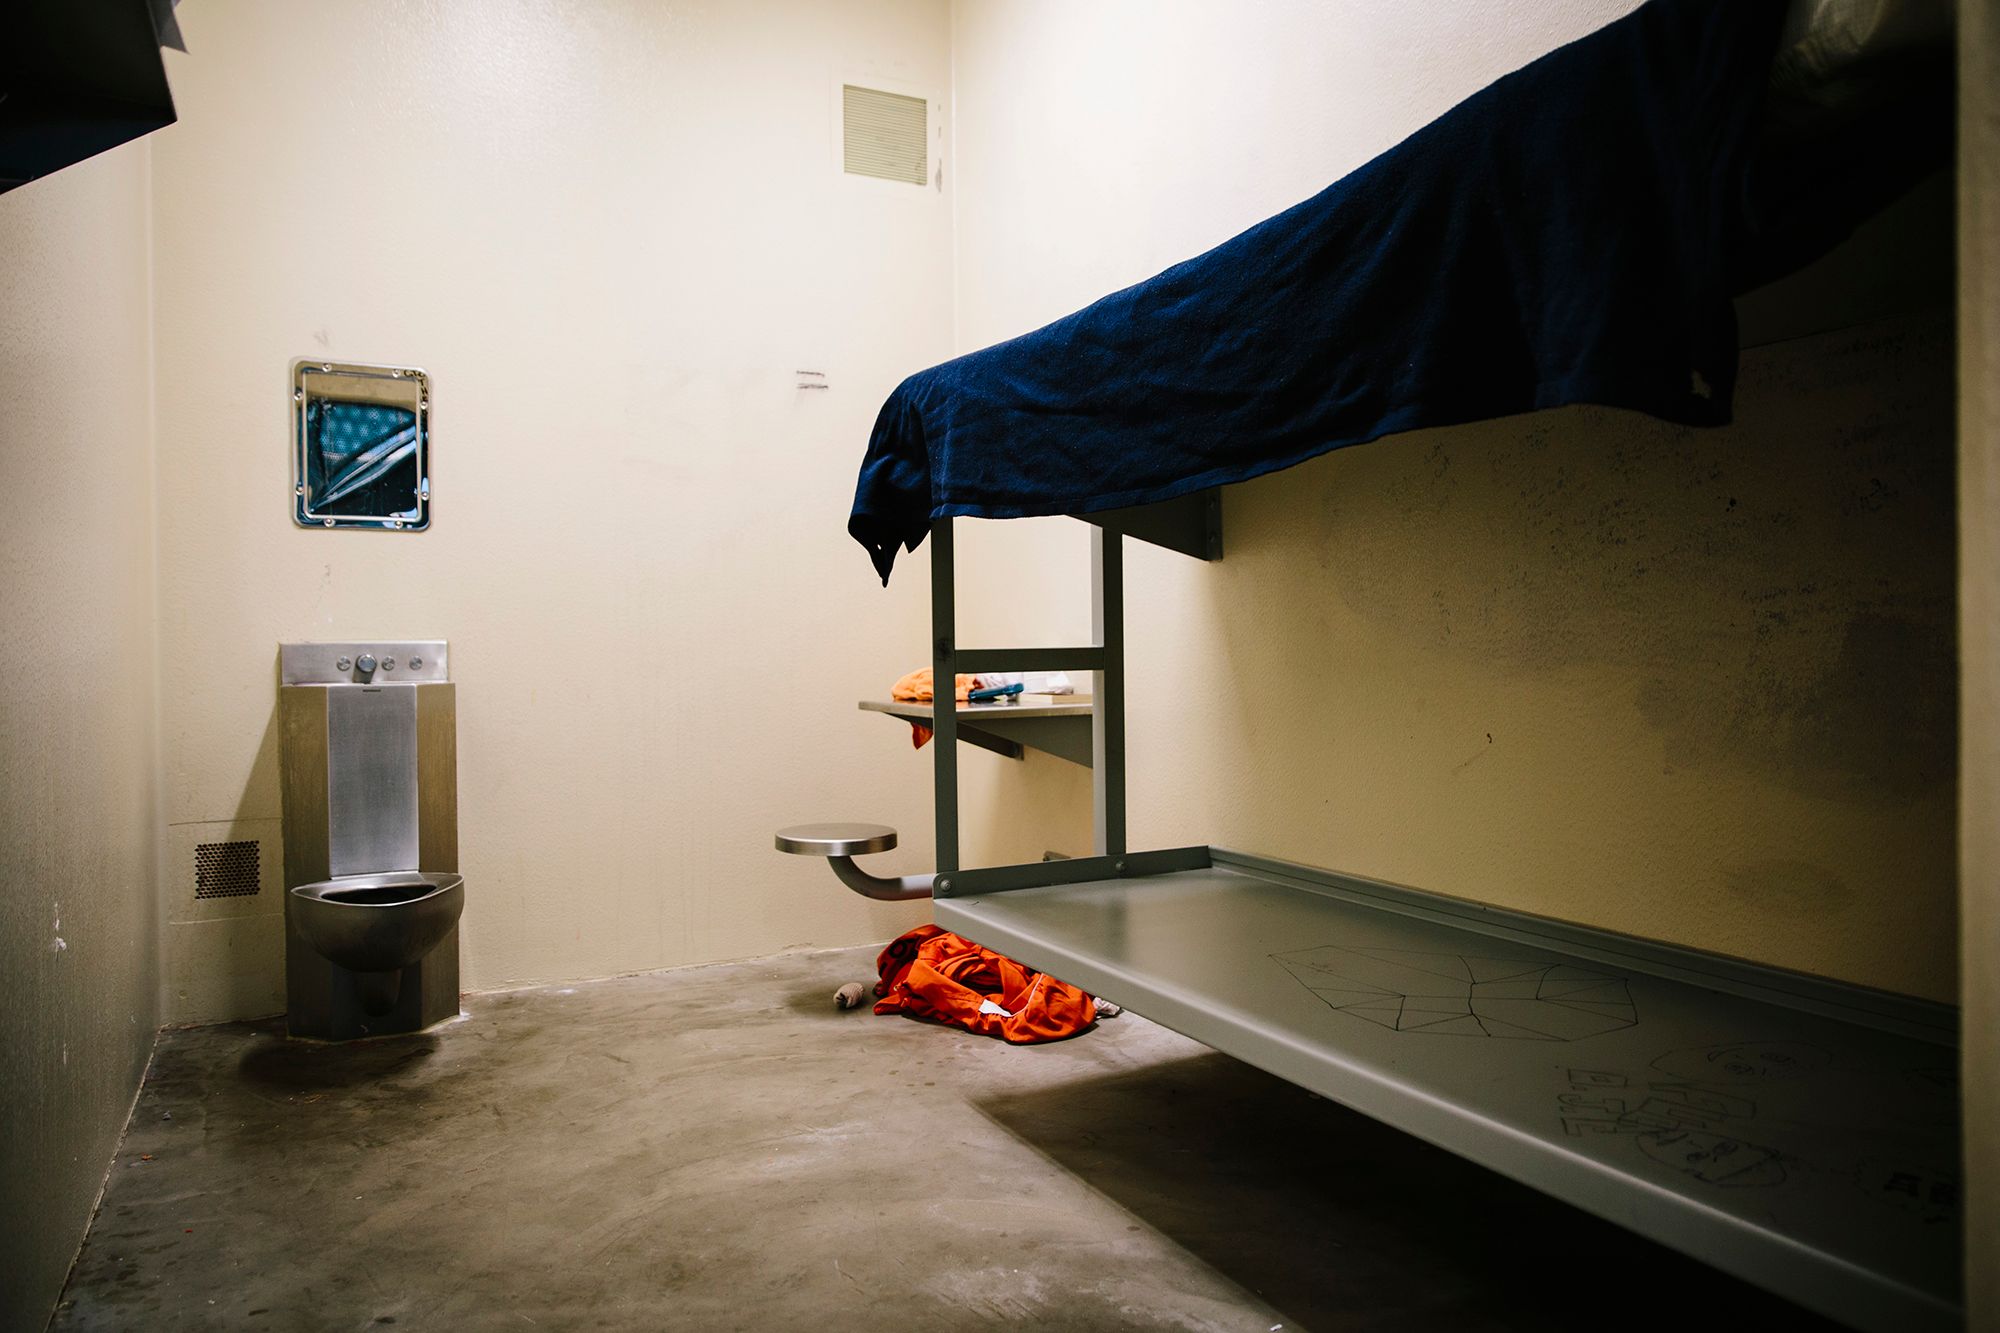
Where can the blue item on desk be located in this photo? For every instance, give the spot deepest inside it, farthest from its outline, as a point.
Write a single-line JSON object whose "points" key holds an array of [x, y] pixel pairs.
{"points": [[994, 693]]}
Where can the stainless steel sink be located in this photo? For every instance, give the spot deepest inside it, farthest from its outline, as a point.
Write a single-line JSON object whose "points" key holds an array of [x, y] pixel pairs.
{"points": [[369, 740]]}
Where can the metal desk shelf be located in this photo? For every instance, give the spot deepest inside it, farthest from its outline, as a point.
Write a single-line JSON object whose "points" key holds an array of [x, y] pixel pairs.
{"points": [[1062, 729]]}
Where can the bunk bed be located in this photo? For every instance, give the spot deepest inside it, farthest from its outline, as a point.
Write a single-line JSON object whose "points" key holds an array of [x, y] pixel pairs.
{"points": [[1795, 1131]]}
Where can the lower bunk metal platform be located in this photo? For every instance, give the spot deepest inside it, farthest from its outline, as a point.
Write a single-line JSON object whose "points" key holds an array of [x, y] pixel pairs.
{"points": [[1799, 1133]]}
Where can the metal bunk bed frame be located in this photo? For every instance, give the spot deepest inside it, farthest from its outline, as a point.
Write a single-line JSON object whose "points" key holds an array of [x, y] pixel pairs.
{"points": [[1798, 1132], [1104, 658]]}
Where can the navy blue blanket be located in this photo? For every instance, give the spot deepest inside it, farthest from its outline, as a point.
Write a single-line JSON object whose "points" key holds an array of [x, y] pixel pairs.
{"points": [[1572, 233]]}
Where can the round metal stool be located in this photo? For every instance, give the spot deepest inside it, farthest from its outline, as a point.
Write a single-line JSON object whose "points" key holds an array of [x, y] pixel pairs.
{"points": [[836, 839], [840, 844]]}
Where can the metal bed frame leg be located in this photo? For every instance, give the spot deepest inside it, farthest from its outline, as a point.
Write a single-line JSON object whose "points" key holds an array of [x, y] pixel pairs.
{"points": [[1107, 716], [944, 692], [1107, 720], [1104, 660]]}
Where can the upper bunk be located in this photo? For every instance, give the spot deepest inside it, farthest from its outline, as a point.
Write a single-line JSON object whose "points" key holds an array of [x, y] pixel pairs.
{"points": [[1579, 231]]}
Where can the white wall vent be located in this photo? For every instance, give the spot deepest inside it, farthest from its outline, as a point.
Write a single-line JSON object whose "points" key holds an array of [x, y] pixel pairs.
{"points": [[885, 135]]}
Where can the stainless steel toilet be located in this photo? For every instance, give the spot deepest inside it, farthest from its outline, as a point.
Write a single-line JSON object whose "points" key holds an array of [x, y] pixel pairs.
{"points": [[368, 747], [378, 925]]}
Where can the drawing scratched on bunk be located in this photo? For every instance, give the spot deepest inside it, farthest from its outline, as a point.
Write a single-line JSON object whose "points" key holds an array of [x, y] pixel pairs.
{"points": [[1464, 995], [1736, 1116], [1690, 1110]]}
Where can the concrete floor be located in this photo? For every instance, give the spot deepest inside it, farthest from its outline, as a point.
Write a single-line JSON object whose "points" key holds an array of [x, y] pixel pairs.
{"points": [[718, 1148]]}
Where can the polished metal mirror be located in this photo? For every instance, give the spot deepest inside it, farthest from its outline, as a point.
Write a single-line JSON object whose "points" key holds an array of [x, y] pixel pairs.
{"points": [[361, 446]]}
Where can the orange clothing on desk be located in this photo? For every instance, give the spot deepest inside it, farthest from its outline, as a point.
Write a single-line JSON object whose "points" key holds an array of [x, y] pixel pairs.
{"points": [[934, 974], [916, 688]]}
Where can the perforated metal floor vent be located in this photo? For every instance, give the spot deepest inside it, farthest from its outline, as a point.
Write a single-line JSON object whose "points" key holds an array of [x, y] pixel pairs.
{"points": [[885, 135], [225, 869]]}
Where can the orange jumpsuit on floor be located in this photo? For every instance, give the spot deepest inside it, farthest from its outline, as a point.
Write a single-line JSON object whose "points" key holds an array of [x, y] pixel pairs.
{"points": [[933, 974]]}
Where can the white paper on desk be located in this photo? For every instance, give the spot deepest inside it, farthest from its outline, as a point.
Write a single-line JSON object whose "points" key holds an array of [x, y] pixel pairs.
{"points": [[1036, 682]]}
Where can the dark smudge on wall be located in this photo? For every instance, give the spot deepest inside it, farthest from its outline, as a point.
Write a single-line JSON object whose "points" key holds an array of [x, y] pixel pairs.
{"points": [[1780, 592]]}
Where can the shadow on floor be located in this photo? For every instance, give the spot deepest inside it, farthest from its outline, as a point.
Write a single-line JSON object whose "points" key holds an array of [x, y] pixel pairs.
{"points": [[276, 1063], [1344, 1223]]}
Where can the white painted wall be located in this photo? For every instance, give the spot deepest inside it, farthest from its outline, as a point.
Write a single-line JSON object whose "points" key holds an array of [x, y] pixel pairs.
{"points": [[78, 753], [612, 233], [1697, 686]]}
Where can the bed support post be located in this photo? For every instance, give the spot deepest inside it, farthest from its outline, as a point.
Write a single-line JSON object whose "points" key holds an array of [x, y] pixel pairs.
{"points": [[944, 691], [1107, 720], [1107, 717], [1104, 660]]}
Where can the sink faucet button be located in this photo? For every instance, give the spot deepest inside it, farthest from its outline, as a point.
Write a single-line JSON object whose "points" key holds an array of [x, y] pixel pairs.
{"points": [[365, 664]]}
